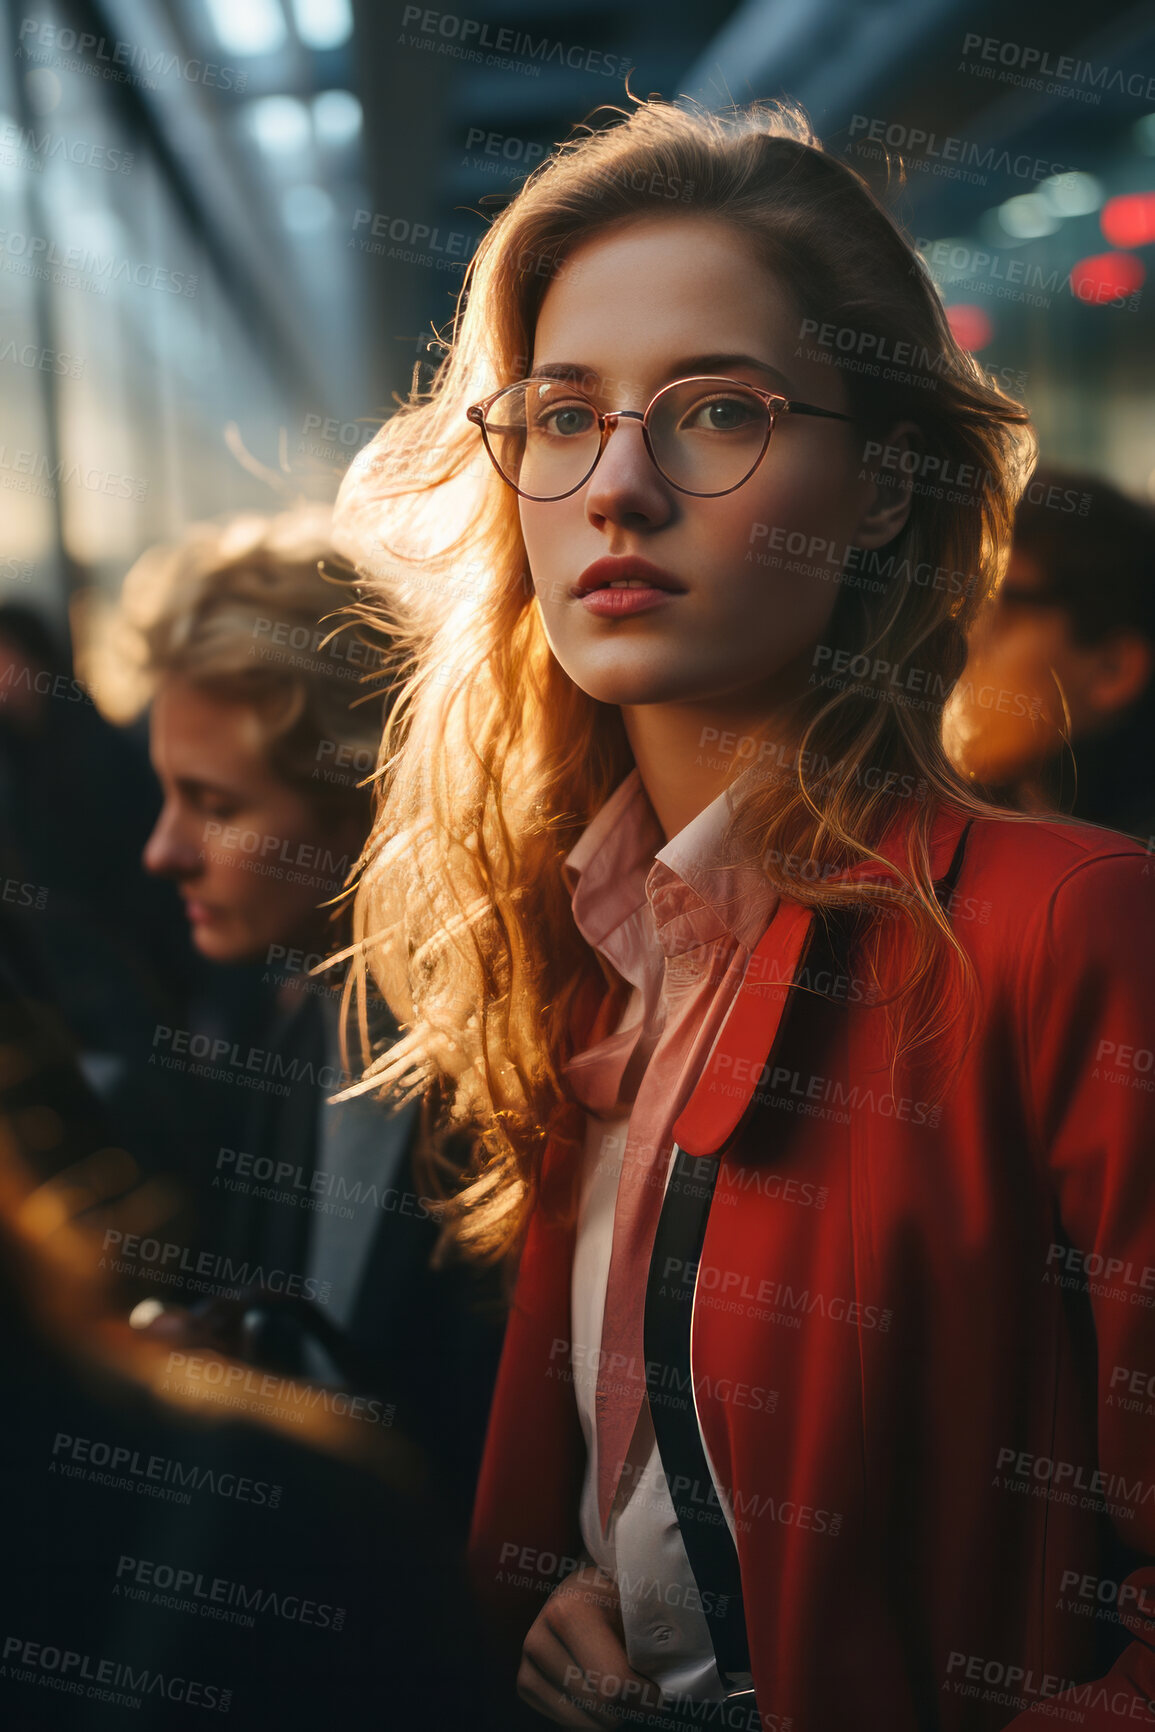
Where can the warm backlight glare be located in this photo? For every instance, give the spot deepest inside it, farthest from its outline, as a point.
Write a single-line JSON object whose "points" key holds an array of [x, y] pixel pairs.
{"points": [[1129, 221]]}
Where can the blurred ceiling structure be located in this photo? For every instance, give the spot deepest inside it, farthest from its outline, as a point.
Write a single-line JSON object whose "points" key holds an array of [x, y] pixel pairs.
{"points": [[284, 137]]}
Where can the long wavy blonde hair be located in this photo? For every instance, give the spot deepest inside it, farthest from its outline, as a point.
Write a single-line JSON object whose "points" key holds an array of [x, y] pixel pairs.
{"points": [[494, 760]]}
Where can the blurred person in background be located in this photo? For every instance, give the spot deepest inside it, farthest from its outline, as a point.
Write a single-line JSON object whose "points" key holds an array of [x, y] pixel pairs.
{"points": [[97, 939], [264, 736], [1056, 707]]}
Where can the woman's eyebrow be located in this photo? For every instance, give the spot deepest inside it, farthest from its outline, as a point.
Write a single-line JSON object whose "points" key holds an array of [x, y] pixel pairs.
{"points": [[194, 786], [563, 370], [709, 363], [682, 369]]}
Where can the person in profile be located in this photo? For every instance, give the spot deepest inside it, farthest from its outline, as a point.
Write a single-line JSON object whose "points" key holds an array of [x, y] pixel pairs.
{"points": [[98, 940], [1056, 707], [264, 734]]}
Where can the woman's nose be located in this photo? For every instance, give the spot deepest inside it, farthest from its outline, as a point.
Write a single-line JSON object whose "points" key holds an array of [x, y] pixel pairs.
{"points": [[172, 851], [626, 486]]}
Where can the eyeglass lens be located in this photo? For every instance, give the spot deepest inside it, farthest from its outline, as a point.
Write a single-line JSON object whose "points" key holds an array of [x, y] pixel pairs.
{"points": [[706, 435]]}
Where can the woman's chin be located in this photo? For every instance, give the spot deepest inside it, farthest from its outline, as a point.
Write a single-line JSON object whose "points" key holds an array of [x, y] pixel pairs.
{"points": [[217, 946], [634, 685]]}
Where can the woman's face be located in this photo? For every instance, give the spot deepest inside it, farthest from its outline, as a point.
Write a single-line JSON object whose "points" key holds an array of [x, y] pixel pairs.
{"points": [[1005, 719], [640, 306], [248, 852]]}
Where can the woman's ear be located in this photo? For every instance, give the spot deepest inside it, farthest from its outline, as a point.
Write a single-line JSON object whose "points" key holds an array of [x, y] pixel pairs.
{"points": [[888, 484], [1118, 672]]}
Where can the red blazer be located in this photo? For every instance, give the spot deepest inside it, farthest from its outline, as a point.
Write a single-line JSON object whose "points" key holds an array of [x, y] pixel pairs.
{"points": [[924, 1340]]}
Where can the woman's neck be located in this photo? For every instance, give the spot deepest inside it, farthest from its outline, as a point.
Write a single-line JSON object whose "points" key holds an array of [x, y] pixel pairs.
{"points": [[686, 754]]}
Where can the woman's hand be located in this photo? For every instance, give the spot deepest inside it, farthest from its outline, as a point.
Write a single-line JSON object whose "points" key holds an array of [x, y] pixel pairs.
{"points": [[574, 1666]]}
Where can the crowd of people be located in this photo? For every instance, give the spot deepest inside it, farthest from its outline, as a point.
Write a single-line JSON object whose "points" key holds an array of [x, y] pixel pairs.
{"points": [[620, 1110]]}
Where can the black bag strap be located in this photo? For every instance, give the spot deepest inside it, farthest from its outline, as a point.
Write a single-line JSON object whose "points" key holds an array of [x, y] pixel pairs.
{"points": [[668, 1336]]}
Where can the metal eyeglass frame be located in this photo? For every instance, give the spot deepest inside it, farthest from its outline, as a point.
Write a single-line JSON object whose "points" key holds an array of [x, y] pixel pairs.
{"points": [[775, 403]]}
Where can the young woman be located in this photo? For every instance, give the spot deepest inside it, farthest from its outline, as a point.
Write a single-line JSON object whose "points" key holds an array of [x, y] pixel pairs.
{"points": [[765, 1026], [258, 740], [265, 724], [260, 751]]}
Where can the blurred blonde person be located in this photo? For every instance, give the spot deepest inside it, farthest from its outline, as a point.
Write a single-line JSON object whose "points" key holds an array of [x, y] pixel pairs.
{"points": [[266, 720], [260, 731]]}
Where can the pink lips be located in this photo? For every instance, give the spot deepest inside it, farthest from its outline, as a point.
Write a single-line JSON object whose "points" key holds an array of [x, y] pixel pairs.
{"points": [[652, 587]]}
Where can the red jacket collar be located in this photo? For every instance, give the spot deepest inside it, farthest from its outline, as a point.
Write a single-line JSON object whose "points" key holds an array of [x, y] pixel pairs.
{"points": [[746, 1039]]}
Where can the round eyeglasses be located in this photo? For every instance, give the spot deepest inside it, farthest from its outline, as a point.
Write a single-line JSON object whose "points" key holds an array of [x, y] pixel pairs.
{"points": [[705, 436]]}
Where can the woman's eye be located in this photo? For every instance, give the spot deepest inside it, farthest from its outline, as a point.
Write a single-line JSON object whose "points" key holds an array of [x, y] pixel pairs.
{"points": [[567, 420], [212, 806], [721, 415]]}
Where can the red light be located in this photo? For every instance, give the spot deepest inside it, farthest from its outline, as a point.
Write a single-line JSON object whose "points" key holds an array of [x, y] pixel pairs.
{"points": [[1106, 277], [1129, 221], [970, 327]]}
